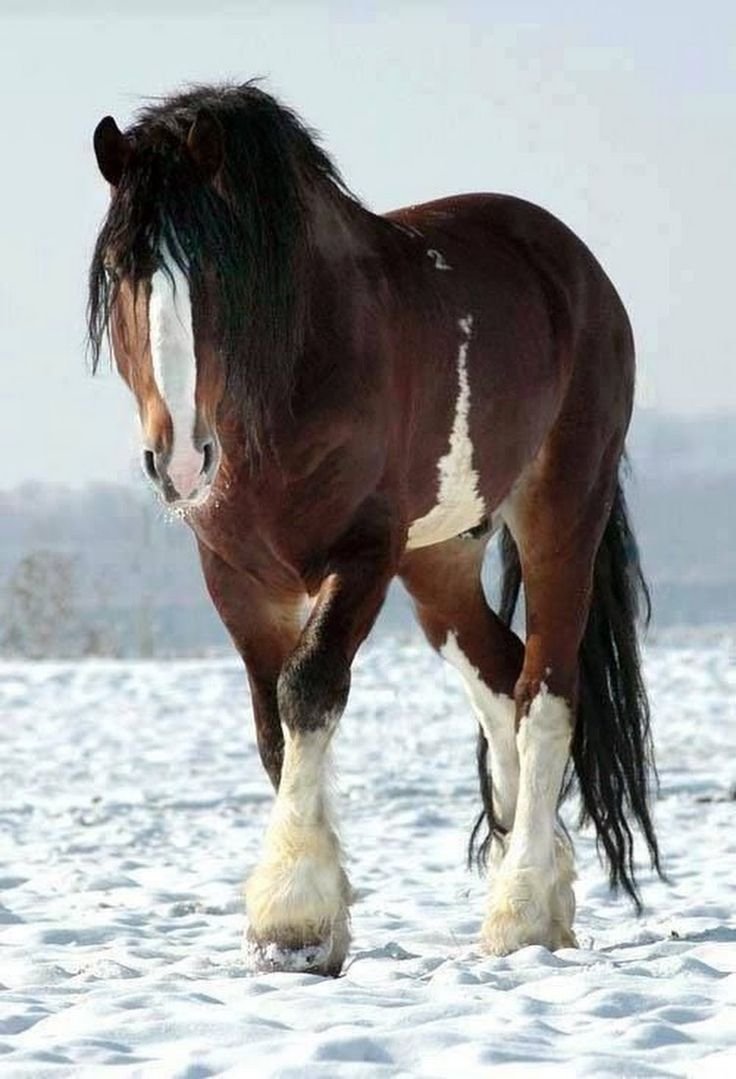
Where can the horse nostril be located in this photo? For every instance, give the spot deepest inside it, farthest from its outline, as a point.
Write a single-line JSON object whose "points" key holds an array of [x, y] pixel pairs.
{"points": [[149, 465], [208, 456]]}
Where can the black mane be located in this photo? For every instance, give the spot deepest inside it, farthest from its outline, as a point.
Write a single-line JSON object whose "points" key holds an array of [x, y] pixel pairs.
{"points": [[250, 228]]}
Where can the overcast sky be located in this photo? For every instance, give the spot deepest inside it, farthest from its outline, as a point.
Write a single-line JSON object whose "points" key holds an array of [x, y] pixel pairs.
{"points": [[620, 118]]}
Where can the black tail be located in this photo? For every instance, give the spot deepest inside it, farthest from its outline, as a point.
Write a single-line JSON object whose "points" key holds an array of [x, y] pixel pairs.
{"points": [[611, 746]]}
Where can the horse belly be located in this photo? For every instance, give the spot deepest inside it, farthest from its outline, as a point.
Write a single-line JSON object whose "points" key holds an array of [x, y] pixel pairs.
{"points": [[448, 518]]}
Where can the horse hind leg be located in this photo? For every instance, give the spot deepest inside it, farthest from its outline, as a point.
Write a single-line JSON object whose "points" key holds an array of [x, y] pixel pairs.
{"points": [[496, 714], [531, 897], [445, 583]]}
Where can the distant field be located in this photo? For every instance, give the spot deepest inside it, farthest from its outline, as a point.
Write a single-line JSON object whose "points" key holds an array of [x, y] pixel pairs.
{"points": [[136, 588]]}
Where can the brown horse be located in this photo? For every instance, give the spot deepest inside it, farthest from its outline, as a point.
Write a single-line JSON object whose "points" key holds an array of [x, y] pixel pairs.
{"points": [[333, 398]]}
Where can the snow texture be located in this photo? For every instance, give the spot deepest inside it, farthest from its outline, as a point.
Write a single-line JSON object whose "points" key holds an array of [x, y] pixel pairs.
{"points": [[133, 805]]}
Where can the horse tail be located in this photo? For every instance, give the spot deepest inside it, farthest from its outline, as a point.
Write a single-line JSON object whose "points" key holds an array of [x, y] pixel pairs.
{"points": [[612, 747], [612, 753]]}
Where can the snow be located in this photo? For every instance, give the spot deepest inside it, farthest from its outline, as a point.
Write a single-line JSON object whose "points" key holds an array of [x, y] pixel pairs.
{"points": [[133, 805]]}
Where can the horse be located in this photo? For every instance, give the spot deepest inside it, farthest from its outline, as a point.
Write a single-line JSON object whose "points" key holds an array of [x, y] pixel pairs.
{"points": [[334, 398]]}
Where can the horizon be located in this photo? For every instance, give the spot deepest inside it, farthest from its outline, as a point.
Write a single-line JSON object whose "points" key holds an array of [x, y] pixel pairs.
{"points": [[134, 478]]}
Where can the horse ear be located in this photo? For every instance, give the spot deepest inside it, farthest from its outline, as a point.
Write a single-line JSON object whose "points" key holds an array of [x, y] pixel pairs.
{"points": [[112, 150], [206, 144]]}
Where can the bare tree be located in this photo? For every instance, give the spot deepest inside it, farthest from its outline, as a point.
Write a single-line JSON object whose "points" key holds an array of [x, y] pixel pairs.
{"points": [[41, 618]]}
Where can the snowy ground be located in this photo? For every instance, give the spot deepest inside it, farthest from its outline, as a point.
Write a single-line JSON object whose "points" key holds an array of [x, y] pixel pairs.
{"points": [[132, 805]]}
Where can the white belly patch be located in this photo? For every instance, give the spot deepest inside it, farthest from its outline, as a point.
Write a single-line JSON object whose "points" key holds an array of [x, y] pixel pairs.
{"points": [[459, 506]]}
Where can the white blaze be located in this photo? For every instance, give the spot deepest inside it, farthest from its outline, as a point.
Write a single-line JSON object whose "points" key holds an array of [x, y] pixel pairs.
{"points": [[175, 368], [459, 505]]}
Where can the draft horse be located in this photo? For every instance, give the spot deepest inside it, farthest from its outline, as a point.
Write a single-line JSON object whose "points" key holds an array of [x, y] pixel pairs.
{"points": [[333, 398]]}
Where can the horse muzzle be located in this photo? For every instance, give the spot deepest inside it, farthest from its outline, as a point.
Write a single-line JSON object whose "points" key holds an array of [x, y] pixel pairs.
{"points": [[183, 479]]}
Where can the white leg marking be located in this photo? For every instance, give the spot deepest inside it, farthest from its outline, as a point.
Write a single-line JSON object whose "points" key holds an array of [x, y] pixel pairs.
{"points": [[496, 713], [298, 896], [531, 899], [175, 367], [459, 505]]}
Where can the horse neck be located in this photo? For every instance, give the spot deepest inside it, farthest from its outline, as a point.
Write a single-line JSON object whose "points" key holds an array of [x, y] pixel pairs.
{"points": [[359, 257], [341, 233], [345, 280]]}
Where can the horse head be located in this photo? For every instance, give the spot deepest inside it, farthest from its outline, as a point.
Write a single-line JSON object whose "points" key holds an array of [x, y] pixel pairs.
{"points": [[159, 309]]}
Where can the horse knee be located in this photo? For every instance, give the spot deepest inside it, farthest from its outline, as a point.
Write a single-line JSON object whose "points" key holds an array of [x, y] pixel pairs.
{"points": [[313, 690]]}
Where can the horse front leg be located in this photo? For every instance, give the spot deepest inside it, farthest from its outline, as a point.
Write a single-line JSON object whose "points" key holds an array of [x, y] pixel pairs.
{"points": [[264, 624], [298, 896]]}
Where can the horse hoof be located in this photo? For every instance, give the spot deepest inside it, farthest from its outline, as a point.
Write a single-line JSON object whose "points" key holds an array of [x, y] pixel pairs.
{"points": [[565, 938], [504, 932], [288, 954]]}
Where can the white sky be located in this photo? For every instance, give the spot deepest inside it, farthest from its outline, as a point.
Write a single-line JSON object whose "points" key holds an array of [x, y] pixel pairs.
{"points": [[620, 121]]}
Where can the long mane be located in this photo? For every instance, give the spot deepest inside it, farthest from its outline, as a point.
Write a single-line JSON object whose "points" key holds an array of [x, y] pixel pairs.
{"points": [[251, 229]]}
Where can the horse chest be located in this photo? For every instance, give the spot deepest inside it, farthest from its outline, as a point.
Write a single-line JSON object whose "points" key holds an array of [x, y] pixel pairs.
{"points": [[458, 505]]}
